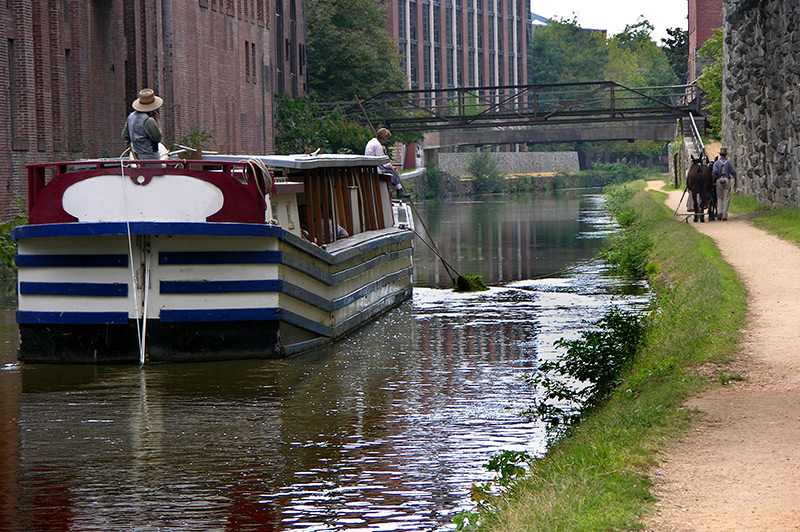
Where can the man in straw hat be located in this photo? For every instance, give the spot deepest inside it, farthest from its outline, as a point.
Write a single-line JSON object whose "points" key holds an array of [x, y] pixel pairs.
{"points": [[142, 129], [723, 172]]}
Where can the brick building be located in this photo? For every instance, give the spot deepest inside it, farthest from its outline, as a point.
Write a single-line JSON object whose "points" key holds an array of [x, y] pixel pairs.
{"points": [[704, 17], [461, 43], [71, 68]]}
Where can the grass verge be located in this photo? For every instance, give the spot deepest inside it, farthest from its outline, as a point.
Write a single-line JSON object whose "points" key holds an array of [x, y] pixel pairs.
{"points": [[596, 479], [783, 222]]}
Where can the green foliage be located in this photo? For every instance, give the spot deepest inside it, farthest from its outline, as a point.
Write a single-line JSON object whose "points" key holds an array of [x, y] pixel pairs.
{"points": [[633, 152], [711, 82], [591, 368], [628, 250], [8, 248], [725, 378], [483, 169], [469, 283], [511, 466], [563, 52], [676, 48], [618, 197], [349, 52], [467, 106], [634, 60], [302, 125], [195, 137], [434, 177], [616, 172]]}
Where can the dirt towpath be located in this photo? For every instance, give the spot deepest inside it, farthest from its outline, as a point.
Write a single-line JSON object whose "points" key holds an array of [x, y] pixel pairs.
{"points": [[738, 466]]}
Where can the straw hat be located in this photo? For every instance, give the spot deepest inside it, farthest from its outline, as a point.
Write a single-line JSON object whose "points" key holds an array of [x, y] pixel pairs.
{"points": [[147, 101], [723, 151]]}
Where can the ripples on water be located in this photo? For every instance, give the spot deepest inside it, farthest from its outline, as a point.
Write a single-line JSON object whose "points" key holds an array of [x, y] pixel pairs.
{"points": [[386, 430]]}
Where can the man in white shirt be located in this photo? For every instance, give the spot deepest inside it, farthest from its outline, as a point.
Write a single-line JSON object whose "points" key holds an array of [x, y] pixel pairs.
{"points": [[377, 148]]}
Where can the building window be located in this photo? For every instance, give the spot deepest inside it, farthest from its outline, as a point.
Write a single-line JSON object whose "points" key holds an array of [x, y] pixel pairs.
{"points": [[426, 64], [401, 19], [470, 30], [426, 31], [480, 32], [413, 60], [448, 22], [253, 71], [436, 19], [247, 61], [412, 20], [13, 104], [449, 68]]}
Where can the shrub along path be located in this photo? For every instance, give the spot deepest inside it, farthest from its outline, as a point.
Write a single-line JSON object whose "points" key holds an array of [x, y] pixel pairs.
{"points": [[738, 465]]}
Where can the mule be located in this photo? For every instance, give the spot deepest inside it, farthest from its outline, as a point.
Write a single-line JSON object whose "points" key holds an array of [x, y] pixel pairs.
{"points": [[699, 182]]}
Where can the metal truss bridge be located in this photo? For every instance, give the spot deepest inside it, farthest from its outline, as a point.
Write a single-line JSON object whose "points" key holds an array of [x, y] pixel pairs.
{"points": [[558, 112]]}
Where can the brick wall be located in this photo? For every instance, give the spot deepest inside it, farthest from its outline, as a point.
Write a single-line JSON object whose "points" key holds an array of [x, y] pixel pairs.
{"points": [[69, 71], [704, 17]]}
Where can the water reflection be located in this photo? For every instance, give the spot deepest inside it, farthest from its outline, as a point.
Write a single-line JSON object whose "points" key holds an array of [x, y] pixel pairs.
{"points": [[505, 240], [384, 431]]}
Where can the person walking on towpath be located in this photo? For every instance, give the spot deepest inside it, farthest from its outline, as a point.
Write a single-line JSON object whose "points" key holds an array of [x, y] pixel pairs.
{"points": [[142, 129], [723, 172]]}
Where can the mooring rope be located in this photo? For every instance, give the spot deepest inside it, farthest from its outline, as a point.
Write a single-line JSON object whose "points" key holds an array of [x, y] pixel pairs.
{"points": [[139, 334]]}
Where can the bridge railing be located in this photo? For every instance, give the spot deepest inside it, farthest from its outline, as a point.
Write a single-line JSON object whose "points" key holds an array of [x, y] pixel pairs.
{"points": [[558, 103]]}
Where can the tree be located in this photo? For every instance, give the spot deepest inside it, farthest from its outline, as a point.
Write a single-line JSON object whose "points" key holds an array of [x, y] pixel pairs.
{"points": [[563, 52], [634, 60], [676, 49], [300, 125], [349, 52], [711, 82]]}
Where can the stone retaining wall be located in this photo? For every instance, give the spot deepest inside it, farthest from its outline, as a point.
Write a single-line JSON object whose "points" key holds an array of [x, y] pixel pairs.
{"points": [[511, 163], [452, 186], [761, 97]]}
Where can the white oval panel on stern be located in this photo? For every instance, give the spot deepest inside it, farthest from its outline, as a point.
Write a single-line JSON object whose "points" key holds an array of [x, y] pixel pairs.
{"points": [[166, 198]]}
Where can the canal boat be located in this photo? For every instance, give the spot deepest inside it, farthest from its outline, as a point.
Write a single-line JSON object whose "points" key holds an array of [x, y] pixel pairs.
{"points": [[216, 257]]}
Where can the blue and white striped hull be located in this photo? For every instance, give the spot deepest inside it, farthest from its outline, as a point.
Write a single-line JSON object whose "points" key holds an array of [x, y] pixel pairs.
{"points": [[89, 292]]}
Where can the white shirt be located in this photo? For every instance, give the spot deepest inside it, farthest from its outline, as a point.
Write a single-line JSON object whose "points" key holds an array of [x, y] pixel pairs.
{"points": [[374, 148]]}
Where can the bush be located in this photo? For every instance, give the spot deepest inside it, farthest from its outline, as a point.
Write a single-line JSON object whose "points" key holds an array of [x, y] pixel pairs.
{"points": [[434, 176], [591, 368], [8, 248], [628, 250], [605, 173], [483, 169]]}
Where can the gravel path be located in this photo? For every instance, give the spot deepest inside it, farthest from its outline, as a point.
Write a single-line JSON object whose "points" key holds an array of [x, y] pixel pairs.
{"points": [[738, 466]]}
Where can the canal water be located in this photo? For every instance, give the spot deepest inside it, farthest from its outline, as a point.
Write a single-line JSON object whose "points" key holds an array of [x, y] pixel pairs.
{"points": [[384, 431]]}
